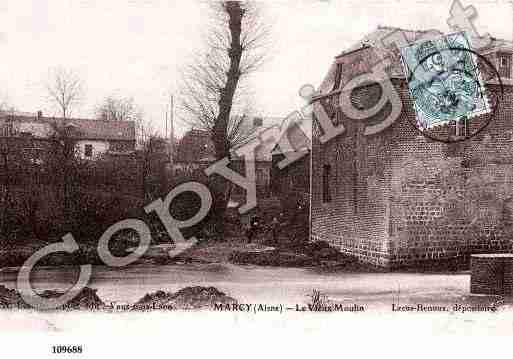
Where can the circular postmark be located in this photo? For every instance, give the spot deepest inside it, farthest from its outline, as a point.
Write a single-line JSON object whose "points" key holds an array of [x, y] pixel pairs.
{"points": [[449, 93]]}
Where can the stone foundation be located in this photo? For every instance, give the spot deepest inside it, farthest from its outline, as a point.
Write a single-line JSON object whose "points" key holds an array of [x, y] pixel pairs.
{"points": [[492, 274]]}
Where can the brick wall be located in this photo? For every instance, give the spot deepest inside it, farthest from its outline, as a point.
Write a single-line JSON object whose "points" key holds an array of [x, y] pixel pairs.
{"points": [[355, 220], [492, 274], [292, 181], [399, 199]]}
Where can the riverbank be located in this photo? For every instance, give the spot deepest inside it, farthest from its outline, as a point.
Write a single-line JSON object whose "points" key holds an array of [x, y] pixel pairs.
{"points": [[234, 250], [15, 255], [237, 250]]}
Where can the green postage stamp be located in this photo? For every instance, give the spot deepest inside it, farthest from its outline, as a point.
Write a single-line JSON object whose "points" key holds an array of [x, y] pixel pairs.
{"points": [[444, 80]]}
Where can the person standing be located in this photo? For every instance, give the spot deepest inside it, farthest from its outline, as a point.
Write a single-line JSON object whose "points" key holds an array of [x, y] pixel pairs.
{"points": [[254, 224], [275, 225]]}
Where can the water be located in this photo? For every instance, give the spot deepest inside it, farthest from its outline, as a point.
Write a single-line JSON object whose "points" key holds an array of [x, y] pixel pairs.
{"points": [[252, 284]]}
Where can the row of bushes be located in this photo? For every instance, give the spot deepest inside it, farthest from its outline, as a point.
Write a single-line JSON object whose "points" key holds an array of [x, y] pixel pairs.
{"points": [[39, 214]]}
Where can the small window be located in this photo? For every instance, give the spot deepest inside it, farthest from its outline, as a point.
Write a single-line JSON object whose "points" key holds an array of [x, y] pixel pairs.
{"points": [[326, 194], [504, 61], [366, 97], [88, 150]]}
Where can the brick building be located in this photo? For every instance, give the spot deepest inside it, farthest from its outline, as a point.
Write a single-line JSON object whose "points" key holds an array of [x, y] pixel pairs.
{"points": [[194, 147], [397, 199]]}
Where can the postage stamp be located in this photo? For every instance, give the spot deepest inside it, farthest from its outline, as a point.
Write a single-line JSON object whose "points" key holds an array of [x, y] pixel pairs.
{"points": [[444, 80]]}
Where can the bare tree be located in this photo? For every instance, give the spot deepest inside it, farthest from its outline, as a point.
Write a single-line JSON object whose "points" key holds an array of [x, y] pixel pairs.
{"points": [[6, 107], [63, 162], [145, 130], [213, 86], [153, 157], [118, 109], [214, 90], [114, 108], [65, 89]]}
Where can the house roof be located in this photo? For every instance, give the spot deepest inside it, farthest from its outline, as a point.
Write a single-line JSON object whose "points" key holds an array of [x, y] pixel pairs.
{"points": [[86, 128], [101, 129]]}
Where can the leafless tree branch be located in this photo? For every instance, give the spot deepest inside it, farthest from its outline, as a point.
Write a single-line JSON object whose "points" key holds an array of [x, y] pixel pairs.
{"points": [[65, 89], [213, 93]]}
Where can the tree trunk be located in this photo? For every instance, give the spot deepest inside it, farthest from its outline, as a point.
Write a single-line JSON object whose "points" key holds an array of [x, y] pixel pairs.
{"points": [[220, 129]]}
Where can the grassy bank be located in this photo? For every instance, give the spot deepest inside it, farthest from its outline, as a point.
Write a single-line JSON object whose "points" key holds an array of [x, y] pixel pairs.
{"points": [[15, 255]]}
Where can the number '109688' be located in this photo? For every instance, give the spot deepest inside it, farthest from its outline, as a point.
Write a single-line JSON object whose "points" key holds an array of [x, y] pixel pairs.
{"points": [[68, 349]]}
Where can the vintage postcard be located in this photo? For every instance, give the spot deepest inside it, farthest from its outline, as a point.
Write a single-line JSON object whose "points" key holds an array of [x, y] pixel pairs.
{"points": [[196, 174]]}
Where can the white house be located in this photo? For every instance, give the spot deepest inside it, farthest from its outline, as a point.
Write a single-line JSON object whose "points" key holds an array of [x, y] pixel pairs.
{"points": [[94, 137]]}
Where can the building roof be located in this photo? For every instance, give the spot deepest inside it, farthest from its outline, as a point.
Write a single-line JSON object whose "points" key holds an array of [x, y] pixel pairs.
{"points": [[297, 137], [374, 40], [101, 129], [85, 128], [263, 152], [197, 146]]}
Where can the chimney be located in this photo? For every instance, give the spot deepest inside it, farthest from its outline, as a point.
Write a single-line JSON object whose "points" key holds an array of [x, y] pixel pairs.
{"points": [[39, 114]]}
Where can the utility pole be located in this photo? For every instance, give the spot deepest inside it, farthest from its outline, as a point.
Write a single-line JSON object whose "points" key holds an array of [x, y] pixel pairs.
{"points": [[172, 128]]}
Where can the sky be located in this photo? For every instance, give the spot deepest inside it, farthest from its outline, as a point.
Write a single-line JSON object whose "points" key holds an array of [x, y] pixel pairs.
{"points": [[135, 48]]}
